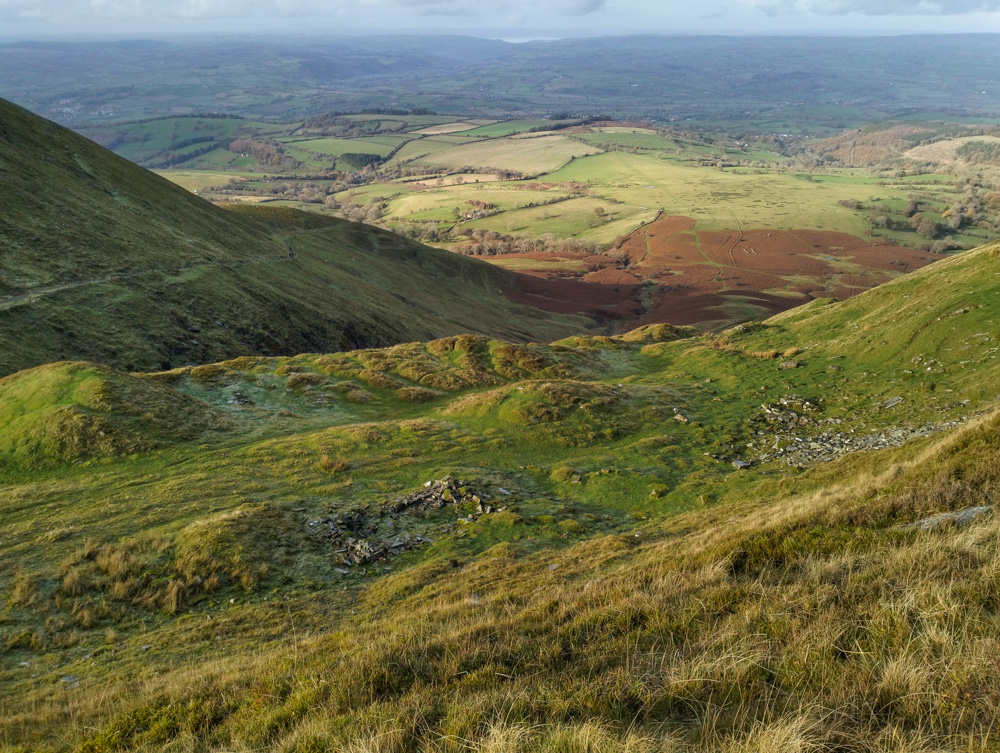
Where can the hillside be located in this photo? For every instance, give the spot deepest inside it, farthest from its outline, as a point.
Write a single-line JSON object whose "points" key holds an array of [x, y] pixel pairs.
{"points": [[650, 542], [101, 260]]}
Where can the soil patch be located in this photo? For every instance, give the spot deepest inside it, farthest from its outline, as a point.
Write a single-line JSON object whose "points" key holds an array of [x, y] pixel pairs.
{"points": [[717, 276]]}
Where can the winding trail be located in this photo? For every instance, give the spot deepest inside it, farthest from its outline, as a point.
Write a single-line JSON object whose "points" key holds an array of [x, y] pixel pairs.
{"points": [[32, 295]]}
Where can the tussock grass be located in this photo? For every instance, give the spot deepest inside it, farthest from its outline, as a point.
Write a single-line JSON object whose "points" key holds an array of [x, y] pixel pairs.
{"points": [[767, 625], [635, 593]]}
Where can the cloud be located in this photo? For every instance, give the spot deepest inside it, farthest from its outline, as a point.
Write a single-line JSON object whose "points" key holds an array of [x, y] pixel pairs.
{"points": [[876, 7], [581, 7], [113, 10]]}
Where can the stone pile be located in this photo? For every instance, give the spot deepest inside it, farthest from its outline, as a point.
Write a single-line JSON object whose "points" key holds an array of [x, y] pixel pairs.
{"points": [[828, 445], [371, 533], [792, 436]]}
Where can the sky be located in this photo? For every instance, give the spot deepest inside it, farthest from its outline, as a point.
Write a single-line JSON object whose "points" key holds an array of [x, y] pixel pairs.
{"points": [[510, 19]]}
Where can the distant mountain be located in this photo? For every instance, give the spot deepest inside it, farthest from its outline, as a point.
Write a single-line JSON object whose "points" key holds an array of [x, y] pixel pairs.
{"points": [[763, 84], [104, 261]]}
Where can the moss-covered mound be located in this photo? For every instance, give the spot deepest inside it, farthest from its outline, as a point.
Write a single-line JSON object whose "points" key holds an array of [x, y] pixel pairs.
{"points": [[76, 410]]}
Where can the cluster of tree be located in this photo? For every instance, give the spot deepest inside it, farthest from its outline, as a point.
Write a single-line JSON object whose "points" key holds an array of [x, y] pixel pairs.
{"points": [[267, 153], [479, 209], [980, 152], [490, 243], [370, 213], [361, 160], [164, 159]]}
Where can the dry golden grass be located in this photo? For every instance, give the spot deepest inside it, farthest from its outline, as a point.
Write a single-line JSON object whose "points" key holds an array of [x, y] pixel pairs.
{"points": [[809, 623]]}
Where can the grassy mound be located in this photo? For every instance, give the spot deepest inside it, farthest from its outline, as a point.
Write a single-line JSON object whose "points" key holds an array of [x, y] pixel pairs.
{"points": [[657, 543], [77, 411]]}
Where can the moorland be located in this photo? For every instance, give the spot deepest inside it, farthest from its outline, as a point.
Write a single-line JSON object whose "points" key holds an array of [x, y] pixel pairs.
{"points": [[662, 439]]}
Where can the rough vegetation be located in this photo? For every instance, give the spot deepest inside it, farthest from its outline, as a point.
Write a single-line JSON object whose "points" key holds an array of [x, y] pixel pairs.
{"points": [[469, 544]]}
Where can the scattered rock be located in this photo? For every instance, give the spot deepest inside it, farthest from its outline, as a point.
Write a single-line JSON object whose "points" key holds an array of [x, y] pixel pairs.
{"points": [[740, 464], [892, 402], [790, 431], [371, 533], [789, 364], [958, 518]]}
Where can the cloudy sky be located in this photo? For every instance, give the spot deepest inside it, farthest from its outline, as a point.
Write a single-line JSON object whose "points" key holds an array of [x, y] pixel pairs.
{"points": [[495, 18]]}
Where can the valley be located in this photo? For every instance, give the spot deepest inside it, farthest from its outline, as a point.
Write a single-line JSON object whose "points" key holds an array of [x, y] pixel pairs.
{"points": [[631, 404]]}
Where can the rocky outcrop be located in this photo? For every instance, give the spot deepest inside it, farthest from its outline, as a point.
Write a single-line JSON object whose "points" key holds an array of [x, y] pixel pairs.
{"points": [[373, 532]]}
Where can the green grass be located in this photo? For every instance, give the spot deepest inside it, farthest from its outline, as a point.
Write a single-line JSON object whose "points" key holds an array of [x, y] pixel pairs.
{"points": [[717, 199], [632, 186], [636, 592], [530, 155], [196, 180], [626, 140], [381, 145], [565, 219], [508, 127]]}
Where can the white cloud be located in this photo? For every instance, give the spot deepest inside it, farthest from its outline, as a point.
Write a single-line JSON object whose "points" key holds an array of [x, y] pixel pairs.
{"points": [[875, 7], [582, 7], [551, 17]]}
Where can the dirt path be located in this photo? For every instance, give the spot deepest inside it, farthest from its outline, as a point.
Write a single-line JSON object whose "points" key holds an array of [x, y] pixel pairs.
{"points": [[32, 295]]}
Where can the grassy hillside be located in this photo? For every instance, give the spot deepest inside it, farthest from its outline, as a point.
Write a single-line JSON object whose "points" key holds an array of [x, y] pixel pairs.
{"points": [[649, 542], [104, 261]]}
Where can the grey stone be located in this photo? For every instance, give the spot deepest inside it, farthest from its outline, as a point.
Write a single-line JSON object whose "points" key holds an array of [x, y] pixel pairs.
{"points": [[958, 518]]}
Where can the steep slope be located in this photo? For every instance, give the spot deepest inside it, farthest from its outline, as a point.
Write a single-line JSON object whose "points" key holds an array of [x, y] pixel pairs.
{"points": [[523, 547], [102, 260]]}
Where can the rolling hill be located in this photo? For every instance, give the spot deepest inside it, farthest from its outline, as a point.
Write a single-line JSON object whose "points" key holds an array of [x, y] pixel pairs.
{"points": [[779, 537], [101, 260]]}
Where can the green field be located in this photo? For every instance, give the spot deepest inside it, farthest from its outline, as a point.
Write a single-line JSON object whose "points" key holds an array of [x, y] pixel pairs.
{"points": [[632, 187], [196, 180], [531, 156], [574, 218], [508, 127], [636, 170], [718, 199]]}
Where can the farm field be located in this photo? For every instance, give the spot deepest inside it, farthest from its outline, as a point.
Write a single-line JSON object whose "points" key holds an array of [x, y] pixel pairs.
{"points": [[717, 199], [458, 127], [626, 185], [565, 218], [532, 156], [591, 186], [198, 180]]}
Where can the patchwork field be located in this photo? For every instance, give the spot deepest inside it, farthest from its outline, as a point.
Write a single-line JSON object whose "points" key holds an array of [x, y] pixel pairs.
{"points": [[465, 125], [764, 234], [531, 156]]}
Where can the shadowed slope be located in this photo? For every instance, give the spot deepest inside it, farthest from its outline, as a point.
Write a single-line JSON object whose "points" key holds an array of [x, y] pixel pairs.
{"points": [[102, 260]]}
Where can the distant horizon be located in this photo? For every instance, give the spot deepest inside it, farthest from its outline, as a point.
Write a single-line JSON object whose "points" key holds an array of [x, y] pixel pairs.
{"points": [[511, 38], [27, 20]]}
